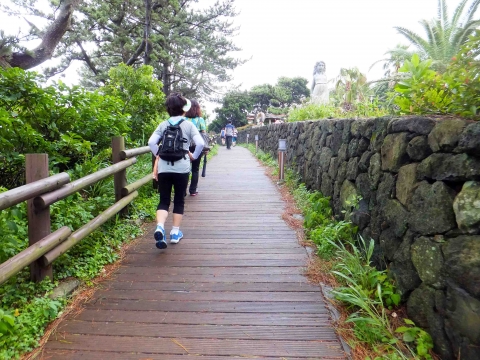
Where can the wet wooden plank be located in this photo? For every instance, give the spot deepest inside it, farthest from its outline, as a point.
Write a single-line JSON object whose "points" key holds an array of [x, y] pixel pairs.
{"points": [[158, 277], [180, 346], [134, 257], [210, 306], [214, 287], [211, 318], [231, 270], [246, 332], [217, 271], [101, 355], [163, 261], [184, 295]]}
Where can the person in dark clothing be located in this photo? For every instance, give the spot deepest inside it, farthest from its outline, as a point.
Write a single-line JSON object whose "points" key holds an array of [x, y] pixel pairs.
{"points": [[194, 115]]}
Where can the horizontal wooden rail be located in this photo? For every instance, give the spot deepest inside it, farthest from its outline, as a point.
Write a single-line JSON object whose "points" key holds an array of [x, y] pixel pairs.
{"points": [[136, 185], [13, 265], [15, 196], [41, 202], [86, 230], [127, 154]]}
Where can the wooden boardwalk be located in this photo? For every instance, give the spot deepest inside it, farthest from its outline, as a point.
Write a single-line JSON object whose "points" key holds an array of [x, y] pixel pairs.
{"points": [[232, 288]]}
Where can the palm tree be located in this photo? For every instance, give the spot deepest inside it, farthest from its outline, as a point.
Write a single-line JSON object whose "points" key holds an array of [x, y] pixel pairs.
{"points": [[350, 86], [444, 36]]}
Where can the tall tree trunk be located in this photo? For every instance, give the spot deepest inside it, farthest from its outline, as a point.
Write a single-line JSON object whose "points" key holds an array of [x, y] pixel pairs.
{"points": [[51, 38], [166, 78], [147, 31]]}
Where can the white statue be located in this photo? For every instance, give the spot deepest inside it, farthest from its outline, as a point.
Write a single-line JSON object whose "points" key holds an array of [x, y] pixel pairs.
{"points": [[319, 94]]}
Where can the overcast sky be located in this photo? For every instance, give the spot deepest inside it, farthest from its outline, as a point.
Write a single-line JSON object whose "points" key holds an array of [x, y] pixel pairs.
{"points": [[287, 37]]}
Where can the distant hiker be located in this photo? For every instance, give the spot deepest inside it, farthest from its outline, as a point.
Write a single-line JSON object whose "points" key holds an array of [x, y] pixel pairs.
{"points": [[170, 143], [222, 135], [194, 115], [229, 133]]}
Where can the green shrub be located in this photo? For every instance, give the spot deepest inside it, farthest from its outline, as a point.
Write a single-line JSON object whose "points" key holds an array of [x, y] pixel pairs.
{"points": [[364, 109], [453, 92]]}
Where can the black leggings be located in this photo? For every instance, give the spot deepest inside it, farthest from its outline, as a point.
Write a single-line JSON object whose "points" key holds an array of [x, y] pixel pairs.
{"points": [[179, 183], [195, 172]]}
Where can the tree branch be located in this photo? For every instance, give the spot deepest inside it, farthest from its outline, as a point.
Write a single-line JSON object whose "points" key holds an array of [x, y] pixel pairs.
{"points": [[135, 56], [50, 40]]}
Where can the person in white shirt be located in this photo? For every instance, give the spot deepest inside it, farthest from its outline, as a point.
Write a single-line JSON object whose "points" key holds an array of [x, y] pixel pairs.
{"points": [[173, 174]]}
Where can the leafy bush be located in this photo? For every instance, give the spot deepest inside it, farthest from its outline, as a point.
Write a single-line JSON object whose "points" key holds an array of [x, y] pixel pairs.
{"points": [[364, 109], [455, 91], [69, 123], [142, 97]]}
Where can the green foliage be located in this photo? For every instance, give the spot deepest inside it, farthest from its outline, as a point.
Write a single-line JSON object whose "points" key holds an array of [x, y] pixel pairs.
{"points": [[61, 121], [445, 36], [142, 97], [455, 91], [418, 336], [365, 109], [235, 106]]}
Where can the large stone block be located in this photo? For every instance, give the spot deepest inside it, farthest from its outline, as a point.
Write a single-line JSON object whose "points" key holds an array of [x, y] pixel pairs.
{"points": [[396, 216], [333, 168], [418, 148], [389, 243], [469, 141], [375, 171], [343, 152], [462, 262], [402, 268], [428, 260], [364, 162], [342, 172], [352, 169], [449, 167], [462, 323], [394, 152], [347, 193], [353, 148], [425, 307], [406, 183], [414, 124], [364, 186], [445, 135], [336, 142], [325, 157], [467, 207], [386, 189], [431, 209], [327, 185]]}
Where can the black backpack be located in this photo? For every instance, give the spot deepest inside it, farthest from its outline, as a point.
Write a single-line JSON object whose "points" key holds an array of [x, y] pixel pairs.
{"points": [[170, 147]]}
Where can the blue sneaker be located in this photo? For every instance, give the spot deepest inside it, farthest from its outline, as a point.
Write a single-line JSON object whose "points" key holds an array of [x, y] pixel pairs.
{"points": [[174, 239], [159, 236]]}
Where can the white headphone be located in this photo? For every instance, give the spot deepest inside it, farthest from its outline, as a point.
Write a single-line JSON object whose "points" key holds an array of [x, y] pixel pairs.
{"points": [[187, 106]]}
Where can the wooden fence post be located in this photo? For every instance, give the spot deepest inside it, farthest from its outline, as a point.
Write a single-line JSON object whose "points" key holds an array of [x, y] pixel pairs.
{"points": [[120, 178], [36, 168]]}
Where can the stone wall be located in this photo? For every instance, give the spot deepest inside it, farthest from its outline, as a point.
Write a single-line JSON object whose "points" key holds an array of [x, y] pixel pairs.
{"points": [[419, 179]]}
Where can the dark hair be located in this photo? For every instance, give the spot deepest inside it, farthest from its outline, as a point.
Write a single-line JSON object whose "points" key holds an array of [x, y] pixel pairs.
{"points": [[229, 121], [194, 110], [175, 103]]}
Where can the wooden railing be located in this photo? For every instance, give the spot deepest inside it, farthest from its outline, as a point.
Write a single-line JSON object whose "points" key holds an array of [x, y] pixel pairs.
{"points": [[42, 190]]}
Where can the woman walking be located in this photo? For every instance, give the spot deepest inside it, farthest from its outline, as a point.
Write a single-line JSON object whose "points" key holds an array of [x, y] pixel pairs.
{"points": [[173, 174], [194, 115]]}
